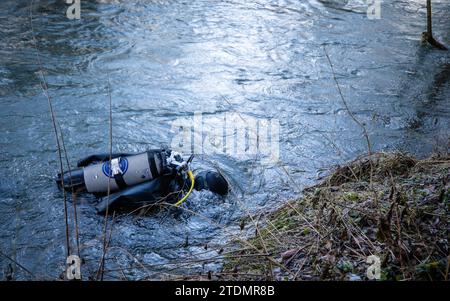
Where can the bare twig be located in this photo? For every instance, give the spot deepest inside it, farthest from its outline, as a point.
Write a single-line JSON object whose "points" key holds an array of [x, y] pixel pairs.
{"points": [[43, 84], [359, 123], [17, 264], [102, 262]]}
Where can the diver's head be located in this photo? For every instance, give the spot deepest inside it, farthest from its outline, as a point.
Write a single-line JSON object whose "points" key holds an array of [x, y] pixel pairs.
{"points": [[212, 181]]}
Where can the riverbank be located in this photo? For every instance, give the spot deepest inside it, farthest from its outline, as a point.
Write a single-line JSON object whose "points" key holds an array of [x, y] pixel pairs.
{"points": [[393, 206]]}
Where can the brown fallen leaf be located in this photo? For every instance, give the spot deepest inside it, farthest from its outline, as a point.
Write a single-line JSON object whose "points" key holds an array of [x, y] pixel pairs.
{"points": [[288, 254]]}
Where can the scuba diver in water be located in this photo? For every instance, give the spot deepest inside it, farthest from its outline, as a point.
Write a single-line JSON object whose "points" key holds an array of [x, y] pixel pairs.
{"points": [[134, 180]]}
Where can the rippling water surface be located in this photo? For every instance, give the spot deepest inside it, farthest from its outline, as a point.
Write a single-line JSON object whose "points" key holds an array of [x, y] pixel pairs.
{"points": [[169, 59]]}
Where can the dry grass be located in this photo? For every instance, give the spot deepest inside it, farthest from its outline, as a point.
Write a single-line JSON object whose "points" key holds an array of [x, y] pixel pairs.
{"points": [[393, 206]]}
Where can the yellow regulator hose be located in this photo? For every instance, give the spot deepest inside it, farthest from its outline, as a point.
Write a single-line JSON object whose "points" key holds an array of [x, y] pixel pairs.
{"points": [[191, 177]]}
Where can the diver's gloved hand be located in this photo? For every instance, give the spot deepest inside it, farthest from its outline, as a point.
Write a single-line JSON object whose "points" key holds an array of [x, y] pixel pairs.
{"points": [[212, 181]]}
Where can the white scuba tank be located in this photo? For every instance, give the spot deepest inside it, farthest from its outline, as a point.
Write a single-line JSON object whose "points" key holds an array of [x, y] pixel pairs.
{"points": [[123, 171]]}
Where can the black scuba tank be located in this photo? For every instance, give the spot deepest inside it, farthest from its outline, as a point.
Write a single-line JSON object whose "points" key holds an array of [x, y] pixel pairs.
{"points": [[97, 172]]}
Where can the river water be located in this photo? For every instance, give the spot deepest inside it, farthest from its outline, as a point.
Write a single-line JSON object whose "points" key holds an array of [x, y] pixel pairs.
{"points": [[168, 59]]}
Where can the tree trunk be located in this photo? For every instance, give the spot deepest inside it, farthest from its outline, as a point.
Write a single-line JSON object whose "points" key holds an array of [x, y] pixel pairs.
{"points": [[429, 22], [429, 34]]}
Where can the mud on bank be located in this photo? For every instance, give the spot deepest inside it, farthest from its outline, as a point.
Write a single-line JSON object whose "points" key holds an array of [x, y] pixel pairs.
{"points": [[393, 206]]}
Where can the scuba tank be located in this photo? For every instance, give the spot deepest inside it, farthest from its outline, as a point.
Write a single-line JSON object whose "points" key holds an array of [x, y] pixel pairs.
{"points": [[97, 172]]}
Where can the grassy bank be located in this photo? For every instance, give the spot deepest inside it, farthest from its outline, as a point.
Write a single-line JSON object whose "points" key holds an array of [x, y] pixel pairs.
{"points": [[393, 206]]}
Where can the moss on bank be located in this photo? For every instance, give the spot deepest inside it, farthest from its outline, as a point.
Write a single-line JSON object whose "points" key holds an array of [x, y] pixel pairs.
{"points": [[393, 206]]}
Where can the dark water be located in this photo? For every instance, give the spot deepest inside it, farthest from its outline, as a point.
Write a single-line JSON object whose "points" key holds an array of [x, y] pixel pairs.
{"points": [[169, 59]]}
